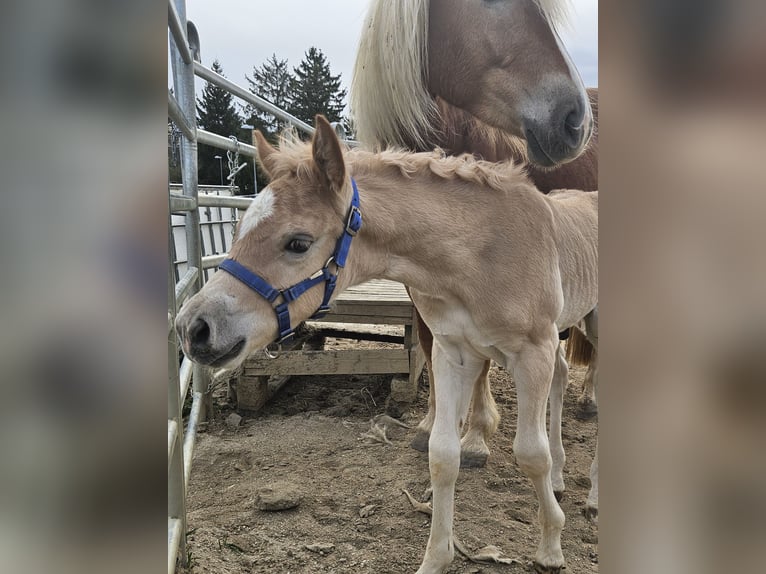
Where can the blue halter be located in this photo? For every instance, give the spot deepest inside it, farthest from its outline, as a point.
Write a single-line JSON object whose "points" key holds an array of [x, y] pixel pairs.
{"points": [[265, 290]]}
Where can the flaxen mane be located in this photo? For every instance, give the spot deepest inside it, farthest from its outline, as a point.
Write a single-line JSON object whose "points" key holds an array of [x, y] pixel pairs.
{"points": [[295, 157], [390, 102]]}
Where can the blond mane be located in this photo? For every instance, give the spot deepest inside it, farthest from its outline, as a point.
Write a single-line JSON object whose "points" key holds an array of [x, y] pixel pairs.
{"points": [[295, 157], [390, 103]]}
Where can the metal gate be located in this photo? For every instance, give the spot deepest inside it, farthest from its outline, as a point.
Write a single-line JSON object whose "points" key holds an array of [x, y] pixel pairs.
{"points": [[185, 378]]}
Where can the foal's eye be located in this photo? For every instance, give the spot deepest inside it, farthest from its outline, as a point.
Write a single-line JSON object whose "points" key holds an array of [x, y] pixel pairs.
{"points": [[298, 245]]}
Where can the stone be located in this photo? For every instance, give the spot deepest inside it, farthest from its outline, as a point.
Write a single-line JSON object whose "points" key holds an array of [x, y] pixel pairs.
{"points": [[233, 420], [277, 496], [320, 548]]}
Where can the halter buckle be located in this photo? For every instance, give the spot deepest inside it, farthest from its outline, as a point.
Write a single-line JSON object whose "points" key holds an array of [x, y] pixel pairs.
{"points": [[353, 221]]}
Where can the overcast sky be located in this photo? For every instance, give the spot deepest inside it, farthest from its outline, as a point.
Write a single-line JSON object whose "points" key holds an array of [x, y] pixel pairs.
{"points": [[244, 33]]}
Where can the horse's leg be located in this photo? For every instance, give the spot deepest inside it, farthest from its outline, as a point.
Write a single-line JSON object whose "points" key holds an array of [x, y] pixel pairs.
{"points": [[556, 400], [455, 371], [587, 404], [591, 329], [580, 351], [533, 368], [591, 505], [423, 431], [482, 423]]}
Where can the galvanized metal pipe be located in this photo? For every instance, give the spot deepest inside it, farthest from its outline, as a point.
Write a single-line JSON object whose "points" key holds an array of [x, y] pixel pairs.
{"points": [[210, 261], [220, 142], [175, 529], [185, 375], [179, 203], [191, 434], [179, 33], [177, 115], [210, 200], [172, 438], [185, 285], [250, 98]]}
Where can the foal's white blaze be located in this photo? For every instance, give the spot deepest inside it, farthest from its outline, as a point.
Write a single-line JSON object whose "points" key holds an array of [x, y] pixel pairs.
{"points": [[262, 208]]}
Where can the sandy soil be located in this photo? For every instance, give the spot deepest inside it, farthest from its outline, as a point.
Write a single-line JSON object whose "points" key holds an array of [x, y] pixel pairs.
{"points": [[353, 516]]}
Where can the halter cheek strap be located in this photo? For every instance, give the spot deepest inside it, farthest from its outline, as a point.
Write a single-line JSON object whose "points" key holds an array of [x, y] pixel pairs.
{"points": [[324, 275]]}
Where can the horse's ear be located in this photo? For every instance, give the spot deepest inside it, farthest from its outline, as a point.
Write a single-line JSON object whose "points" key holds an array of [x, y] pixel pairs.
{"points": [[328, 155], [265, 153]]}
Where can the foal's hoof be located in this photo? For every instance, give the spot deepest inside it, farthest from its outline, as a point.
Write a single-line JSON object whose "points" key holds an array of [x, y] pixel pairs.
{"points": [[586, 410], [420, 442], [540, 569], [469, 459]]}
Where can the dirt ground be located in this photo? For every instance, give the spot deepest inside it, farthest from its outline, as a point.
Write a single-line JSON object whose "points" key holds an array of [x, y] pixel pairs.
{"points": [[353, 516]]}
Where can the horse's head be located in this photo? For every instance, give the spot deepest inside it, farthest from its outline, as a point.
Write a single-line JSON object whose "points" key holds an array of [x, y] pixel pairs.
{"points": [[503, 62], [286, 235]]}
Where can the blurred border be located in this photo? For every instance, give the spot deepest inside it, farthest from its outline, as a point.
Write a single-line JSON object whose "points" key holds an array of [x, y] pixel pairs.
{"points": [[683, 276], [83, 229]]}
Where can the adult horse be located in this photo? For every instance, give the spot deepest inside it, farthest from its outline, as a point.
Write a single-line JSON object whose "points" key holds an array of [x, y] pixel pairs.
{"points": [[492, 79], [385, 216]]}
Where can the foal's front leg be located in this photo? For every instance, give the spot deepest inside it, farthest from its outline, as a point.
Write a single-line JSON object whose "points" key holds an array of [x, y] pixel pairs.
{"points": [[455, 371], [533, 372]]}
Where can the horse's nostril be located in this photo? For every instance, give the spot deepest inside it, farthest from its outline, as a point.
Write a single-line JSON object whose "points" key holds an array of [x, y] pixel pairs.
{"points": [[573, 127], [199, 333]]}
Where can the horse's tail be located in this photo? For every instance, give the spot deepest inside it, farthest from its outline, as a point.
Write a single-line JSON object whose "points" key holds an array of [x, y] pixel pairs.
{"points": [[579, 349]]}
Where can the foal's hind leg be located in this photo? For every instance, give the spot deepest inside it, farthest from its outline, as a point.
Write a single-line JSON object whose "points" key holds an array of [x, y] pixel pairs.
{"points": [[482, 423], [533, 370], [423, 431], [556, 400], [484, 417]]}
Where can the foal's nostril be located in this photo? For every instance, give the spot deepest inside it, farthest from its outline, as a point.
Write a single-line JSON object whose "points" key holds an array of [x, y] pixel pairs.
{"points": [[199, 333]]}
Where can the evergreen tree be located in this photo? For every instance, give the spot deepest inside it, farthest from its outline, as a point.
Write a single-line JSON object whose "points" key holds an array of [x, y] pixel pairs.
{"points": [[315, 90], [272, 82], [216, 113]]}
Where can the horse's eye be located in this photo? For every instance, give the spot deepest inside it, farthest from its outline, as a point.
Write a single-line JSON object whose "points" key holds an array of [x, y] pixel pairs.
{"points": [[298, 245]]}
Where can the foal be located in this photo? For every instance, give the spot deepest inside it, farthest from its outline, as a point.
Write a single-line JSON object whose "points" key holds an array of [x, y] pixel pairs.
{"points": [[496, 268]]}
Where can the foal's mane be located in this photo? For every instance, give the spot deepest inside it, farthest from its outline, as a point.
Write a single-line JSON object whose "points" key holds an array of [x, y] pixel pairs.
{"points": [[390, 103], [295, 157]]}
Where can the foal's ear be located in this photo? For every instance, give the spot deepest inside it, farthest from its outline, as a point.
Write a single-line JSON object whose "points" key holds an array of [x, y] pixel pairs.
{"points": [[265, 153], [328, 155]]}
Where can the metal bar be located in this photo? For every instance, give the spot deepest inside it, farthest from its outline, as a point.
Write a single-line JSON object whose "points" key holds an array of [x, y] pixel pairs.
{"points": [[183, 84], [185, 376], [177, 115], [210, 200], [175, 529], [191, 434], [179, 203], [179, 33], [172, 436], [220, 142], [240, 92], [185, 285], [210, 261]]}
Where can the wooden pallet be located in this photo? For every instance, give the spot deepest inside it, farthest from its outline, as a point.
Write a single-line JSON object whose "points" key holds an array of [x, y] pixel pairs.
{"points": [[377, 302]]}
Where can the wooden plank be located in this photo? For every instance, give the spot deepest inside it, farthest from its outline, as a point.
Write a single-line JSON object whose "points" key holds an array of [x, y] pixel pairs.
{"points": [[380, 291], [345, 361], [366, 319], [372, 309]]}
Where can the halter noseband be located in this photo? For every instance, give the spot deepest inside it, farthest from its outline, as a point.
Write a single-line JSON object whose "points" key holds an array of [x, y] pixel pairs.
{"points": [[265, 290]]}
